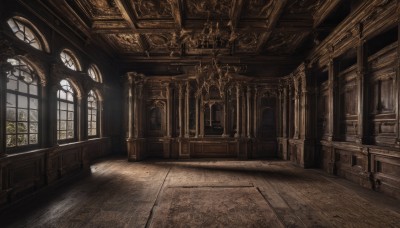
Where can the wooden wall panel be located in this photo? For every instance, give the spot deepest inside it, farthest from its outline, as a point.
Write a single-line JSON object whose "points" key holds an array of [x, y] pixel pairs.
{"points": [[25, 173]]}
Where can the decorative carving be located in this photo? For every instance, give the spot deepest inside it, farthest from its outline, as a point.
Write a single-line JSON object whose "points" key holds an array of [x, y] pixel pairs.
{"points": [[304, 6], [126, 42], [101, 8], [247, 42], [283, 43], [151, 9], [203, 8], [258, 9], [214, 74]]}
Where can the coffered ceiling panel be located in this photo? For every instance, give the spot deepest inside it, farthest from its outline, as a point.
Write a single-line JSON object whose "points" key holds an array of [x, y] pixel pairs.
{"points": [[202, 9], [167, 30], [152, 9], [284, 43], [125, 42], [100, 8], [258, 9]]}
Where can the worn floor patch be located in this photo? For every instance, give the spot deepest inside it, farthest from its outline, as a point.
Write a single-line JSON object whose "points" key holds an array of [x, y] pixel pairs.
{"points": [[213, 207]]}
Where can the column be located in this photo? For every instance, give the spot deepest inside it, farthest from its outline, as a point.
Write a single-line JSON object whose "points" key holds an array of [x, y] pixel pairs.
{"points": [[362, 105], [210, 109], [134, 112], [169, 109], [197, 116], [296, 107], [180, 110], [305, 107], [238, 113], [255, 111], [201, 113], [225, 98], [331, 99], [284, 112], [129, 109], [139, 111], [248, 104], [187, 110]]}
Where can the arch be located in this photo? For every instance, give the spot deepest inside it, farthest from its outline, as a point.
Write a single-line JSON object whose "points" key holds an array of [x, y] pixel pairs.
{"points": [[69, 59], [38, 70], [26, 31], [94, 73]]}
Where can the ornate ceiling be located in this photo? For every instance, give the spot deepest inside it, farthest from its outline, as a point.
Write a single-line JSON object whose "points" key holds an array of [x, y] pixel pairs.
{"points": [[168, 30]]}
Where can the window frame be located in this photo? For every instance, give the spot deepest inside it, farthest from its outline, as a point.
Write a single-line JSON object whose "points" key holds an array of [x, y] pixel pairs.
{"points": [[97, 73], [28, 95], [75, 113], [97, 110], [72, 57], [38, 36]]}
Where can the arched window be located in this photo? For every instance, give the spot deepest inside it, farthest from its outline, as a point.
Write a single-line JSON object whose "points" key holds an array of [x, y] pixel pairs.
{"points": [[94, 73], [65, 112], [93, 116], [22, 115], [69, 60], [27, 32]]}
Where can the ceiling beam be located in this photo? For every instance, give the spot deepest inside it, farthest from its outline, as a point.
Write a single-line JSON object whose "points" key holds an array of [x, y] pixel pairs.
{"points": [[276, 13], [126, 13], [235, 13], [176, 8], [324, 11]]}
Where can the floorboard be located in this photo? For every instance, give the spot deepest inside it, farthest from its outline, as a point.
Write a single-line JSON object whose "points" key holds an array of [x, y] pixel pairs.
{"points": [[205, 193]]}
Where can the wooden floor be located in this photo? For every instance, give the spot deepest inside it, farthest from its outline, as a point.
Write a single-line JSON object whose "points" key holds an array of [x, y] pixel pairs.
{"points": [[205, 193]]}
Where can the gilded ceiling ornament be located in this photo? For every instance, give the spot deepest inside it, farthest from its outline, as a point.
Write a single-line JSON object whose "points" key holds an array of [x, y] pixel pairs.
{"points": [[202, 9], [153, 8], [126, 42]]}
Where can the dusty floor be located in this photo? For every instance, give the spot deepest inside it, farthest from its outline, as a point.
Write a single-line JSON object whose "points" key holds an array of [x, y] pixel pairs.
{"points": [[206, 193]]}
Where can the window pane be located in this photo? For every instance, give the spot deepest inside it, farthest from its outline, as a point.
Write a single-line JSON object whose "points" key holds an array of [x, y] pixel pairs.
{"points": [[70, 97], [62, 95], [63, 115], [11, 114], [11, 129], [12, 84], [33, 89], [11, 100], [11, 141], [63, 125], [70, 126], [63, 135], [22, 115], [33, 103], [22, 87], [34, 128], [70, 134], [22, 102], [70, 116], [70, 107], [63, 106], [22, 127], [33, 116], [33, 139], [22, 140]]}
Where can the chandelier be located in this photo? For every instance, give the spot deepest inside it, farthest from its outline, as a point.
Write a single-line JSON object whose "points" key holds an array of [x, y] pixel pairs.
{"points": [[214, 74]]}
